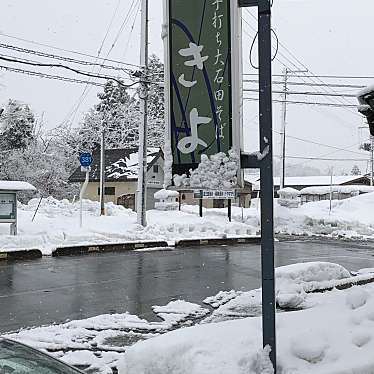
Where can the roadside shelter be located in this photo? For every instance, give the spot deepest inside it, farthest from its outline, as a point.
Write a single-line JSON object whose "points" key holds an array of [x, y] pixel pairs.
{"points": [[8, 201]]}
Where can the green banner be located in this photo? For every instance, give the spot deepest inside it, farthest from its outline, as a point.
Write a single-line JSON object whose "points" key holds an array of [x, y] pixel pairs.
{"points": [[200, 80]]}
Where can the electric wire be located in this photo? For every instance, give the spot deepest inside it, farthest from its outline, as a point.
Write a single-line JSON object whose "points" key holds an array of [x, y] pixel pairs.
{"points": [[70, 51]]}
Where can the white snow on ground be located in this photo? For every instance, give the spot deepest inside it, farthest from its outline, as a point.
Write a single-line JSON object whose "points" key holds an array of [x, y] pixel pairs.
{"points": [[350, 218], [221, 298], [57, 223], [334, 337], [178, 311], [292, 284], [335, 326]]}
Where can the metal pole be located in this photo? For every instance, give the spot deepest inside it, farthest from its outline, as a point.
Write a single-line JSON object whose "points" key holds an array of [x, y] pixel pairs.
{"points": [[267, 184], [200, 207], [142, 154], [229, 209], [331, 172], [283, 132], [83, 190], [372, 160], [102, 172]]}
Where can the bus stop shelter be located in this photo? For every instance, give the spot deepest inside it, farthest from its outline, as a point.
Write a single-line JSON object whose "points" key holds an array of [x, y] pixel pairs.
{"points": [[8, 201]]}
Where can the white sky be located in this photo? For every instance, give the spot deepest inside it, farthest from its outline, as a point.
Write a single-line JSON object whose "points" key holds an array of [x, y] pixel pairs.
{"points": [[329, 37]]}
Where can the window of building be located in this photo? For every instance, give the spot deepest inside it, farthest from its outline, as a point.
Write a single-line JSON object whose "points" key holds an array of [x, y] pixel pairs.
{"points": [[155, 169], [108, 191], [183, 197]]}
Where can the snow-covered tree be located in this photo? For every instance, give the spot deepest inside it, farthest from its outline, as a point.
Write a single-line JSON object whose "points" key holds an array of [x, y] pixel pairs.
{"points": [[355, 170], [118, 111], [156, 103], [43, 160], [16, 126]]}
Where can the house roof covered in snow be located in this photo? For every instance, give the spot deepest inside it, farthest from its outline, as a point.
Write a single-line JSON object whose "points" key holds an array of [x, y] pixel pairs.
{"points": [[308, 181], [121, 165], [16, 186]]}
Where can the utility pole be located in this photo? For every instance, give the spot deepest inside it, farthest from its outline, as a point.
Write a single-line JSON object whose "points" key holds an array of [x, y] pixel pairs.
{"points": [[372, 160], [102, 170], [286, 71], [283, 131], [142, 153]]}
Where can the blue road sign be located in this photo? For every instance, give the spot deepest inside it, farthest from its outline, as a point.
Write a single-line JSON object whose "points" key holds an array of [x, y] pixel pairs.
{"points": [[85, 159]]}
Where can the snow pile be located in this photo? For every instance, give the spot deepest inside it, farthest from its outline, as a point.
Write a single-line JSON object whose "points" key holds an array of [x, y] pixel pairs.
{"points": [[217, 172], [90, 342], [221, 298], [349, 218], [179, 311], [336, 336], [164, 194], [56, 224], [292, 283]]}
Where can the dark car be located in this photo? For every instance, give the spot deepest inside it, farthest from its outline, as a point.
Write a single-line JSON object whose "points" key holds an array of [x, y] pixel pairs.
{"points": [[17, 358]]}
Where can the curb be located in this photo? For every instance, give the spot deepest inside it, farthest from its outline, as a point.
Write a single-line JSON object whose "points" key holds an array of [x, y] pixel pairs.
{"points": [[26, 254], [218, 241], [105, 248]]}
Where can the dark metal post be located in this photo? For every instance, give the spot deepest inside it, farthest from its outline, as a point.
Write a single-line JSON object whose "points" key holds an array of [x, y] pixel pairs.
{"points": [[201, 207], [229, 209], [267, 194]]}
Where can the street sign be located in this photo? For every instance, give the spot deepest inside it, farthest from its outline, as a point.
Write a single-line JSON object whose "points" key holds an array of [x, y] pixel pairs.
{"points": [[204, 89], [214, 194], [85, 159]]}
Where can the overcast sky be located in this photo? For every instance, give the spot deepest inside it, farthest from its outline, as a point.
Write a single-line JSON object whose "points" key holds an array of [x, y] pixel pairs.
{"points": [[328, 37]]}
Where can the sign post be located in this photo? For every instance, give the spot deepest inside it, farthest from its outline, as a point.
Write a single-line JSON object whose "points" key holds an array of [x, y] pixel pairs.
{"points": [[203, 86], [85, 160], [266, 170]]}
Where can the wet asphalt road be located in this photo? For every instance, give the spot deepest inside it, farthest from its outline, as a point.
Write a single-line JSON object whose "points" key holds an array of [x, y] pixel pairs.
{"points": [[51, 290]]}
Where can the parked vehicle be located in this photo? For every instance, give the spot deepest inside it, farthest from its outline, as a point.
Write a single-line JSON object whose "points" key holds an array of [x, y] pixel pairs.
{"points": [[18, 358]]}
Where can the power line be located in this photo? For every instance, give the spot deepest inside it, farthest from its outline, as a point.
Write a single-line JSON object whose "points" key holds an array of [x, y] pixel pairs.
{"points": [[127, 17], [293, 64], [69, 51], [336, 85], [132, 29], [324, 159], [62, 58], [109, 27], [87, 74], [306, 103], [320, 76], [49, 76], [320, 144], [305, 93]]}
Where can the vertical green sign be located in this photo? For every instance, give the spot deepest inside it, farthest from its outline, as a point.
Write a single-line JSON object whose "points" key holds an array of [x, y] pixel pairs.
{"points": [[200, 80]]}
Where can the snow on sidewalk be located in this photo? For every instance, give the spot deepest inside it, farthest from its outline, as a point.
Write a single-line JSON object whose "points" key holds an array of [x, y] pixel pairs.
{"points": [[57, 224], [336, 336], [292, 283]]}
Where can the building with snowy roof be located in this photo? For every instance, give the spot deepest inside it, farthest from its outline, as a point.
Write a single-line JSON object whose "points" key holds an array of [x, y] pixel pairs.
{"points": [[121, 176], [319, 193], [300, 183]]}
